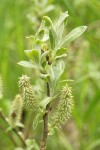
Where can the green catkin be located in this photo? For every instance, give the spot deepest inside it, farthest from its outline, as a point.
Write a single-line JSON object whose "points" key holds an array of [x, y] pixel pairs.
{"points": [[29, 98], [16, 111], [1, 88], [64, 108]]}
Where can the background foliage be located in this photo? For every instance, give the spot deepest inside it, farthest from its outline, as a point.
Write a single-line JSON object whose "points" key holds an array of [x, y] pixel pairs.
{"points": [[22, 18]]}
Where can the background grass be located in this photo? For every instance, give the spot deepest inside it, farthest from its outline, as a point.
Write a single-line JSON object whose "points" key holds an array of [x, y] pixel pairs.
{"points": [[21, 18]]}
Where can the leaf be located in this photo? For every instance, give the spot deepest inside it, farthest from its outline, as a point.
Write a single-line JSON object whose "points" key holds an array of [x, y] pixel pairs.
{"points": [[36, 121], [61, 51], [61, 56], [45, 37], [49, 8], [48, 20], [51, 131], [45, 101], [56, 71], [55, 74], [62, 18], [31, 144], [45, 76], [74, 34], [60, 25], [41, 29], [52, 38], [27, 64], [44, 55], [33, 54], [52, 33]]}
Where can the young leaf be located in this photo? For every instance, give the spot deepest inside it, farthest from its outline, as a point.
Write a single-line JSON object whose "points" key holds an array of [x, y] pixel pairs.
{"points": [[41, 29], [62, 18], [33, 54], [27, 64], [48, 20], [52, 33], [52, 38], [60, 25], [44, 55], [45, 101], [61, 51], [75, 33], [61, 56], [36, 121], [48, 9], [55, 74]]}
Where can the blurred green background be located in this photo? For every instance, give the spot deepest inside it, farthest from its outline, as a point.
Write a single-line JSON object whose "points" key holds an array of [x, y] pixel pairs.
{"points": [[21, 18]]}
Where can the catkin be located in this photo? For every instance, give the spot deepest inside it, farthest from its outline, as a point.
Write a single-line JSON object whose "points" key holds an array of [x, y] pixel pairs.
{"points": [[64, 108], [30, 100], [16, 111]]}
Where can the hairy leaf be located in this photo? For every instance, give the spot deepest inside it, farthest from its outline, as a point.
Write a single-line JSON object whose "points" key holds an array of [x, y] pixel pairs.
{"points": [[27, 64], [74, 34]]}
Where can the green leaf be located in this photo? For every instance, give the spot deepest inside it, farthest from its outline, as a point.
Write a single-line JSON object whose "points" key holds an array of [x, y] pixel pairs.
{"points": [[62, 18], [48, 20], [27, 64], [60, 25], [31, 145], [61, 56], [45, 101], [45, 76], [74, 34], [49, 8], [41, 30], [61, 51], [53, 38], [44, 55], [52, 33], [45, 37], [55, 74], [33, 54], [51, 131], [36, 121]]}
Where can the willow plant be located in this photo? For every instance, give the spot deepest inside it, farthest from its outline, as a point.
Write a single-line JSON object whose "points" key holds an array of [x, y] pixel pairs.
{"points": [[46, 59]]}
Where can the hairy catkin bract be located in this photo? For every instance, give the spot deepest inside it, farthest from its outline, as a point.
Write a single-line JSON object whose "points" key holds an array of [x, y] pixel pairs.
{"points": [[29, 98], [16, 111], [64, 108]]}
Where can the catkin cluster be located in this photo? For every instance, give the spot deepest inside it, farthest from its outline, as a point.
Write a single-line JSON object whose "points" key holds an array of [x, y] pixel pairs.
{"points": [[29, 98], [64, 108], [16, 111]]}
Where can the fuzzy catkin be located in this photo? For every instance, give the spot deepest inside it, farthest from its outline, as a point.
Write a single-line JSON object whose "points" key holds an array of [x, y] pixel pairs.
{"points": [[16, 111], [24, 82], [64, 108], [29, 98]]}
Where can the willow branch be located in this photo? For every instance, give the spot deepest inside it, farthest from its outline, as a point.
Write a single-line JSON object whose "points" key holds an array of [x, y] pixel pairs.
{"points": [[45, 119]]}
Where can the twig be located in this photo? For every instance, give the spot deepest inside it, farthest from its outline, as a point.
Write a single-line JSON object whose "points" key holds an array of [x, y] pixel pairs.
{"points": [[15, 131], [45, 119], [9, 135]]}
